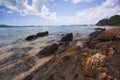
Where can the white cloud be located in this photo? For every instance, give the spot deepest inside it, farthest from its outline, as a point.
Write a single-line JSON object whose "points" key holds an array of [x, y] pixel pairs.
{"points": [[92, 15], [47, 14], [9, 12], [78, 1], [22, 6], [107, 9], [5, 11]]}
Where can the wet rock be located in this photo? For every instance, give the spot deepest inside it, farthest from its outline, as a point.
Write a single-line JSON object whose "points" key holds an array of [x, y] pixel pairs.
{"points": [[63, 44], [100, 29], [48, 50], [67, 37], [31, 37], [41, 34]]}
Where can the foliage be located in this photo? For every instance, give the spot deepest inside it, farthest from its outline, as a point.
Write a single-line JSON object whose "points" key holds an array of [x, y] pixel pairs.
{"points": [[112, 21]]}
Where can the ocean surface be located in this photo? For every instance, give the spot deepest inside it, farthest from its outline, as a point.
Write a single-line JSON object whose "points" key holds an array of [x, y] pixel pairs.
{"points": [[12, 39]]}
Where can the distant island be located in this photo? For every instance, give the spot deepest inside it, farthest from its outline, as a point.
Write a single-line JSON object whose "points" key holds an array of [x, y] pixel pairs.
{"points": [[112, 21], [4, 25]]}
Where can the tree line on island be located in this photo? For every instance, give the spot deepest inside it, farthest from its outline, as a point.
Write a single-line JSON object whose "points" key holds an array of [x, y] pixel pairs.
{"points": [[112, 21]]}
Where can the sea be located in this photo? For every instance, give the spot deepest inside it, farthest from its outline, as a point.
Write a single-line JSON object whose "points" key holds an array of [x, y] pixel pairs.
{"points": [[12, 39]]}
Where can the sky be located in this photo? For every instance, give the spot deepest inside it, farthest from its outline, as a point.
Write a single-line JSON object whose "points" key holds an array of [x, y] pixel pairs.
{"points": [[56, 12]]}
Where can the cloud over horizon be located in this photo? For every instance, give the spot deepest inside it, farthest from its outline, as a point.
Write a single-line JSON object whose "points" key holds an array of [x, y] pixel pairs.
{"points": [[79, 13]]}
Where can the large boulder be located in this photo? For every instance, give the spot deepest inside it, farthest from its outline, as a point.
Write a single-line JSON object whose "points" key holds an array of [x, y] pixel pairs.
{"points": [[67, 37], [48, 50]]}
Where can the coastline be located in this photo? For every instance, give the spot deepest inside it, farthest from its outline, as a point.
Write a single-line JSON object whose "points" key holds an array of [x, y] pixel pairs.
{"points": [[85, 61], [93, 62]]}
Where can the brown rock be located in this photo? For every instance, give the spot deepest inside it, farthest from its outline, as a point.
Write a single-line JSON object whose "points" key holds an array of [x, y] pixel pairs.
{"points": [[110, 53], [94, 34], [64, 66], [108, 35], [95, 60], [105, 39], [109, 78], [67, 37], [48, 50], [101, 76]]}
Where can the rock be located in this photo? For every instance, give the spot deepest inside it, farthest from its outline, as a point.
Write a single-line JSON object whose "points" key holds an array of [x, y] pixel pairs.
{"points": [[50, 49], [64, 66], [63, 43], [29, 77], [31, 37], [100, 29], [67, 37], [102, 76], [85, 53], [70, 61], [110, 53], [94, 34], [108, 35], [95, 60], [41, 34], [105, 39], [109, 78], [108, 41]]}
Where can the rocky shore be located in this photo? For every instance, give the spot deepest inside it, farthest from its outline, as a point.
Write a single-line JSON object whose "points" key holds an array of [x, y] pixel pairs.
{"points": [[97, 59]]}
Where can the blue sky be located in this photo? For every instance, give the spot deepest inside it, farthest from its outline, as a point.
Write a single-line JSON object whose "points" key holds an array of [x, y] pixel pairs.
{"points": [[56, 12]]}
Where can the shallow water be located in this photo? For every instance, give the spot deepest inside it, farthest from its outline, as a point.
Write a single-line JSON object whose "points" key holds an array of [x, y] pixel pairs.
{"points": [[18, 57], [13, 38]]}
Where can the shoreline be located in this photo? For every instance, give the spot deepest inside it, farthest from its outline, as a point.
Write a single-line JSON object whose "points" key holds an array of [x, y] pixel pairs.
{"points": [[87, 62]]}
